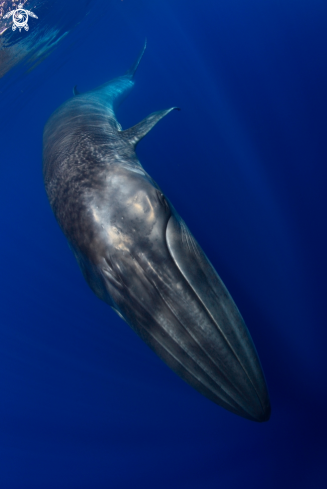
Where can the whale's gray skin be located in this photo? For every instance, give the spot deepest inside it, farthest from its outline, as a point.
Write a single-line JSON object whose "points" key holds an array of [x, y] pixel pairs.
{"points": [[137, 254]]}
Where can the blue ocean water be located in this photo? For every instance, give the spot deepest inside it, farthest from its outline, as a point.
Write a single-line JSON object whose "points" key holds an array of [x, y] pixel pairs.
{"points": [[84, 403]]}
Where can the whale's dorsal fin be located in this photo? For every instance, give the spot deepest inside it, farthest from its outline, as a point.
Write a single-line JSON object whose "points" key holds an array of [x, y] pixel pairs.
{"points": [[117, 89], [136, 133], [133, 68], [75, 91]]}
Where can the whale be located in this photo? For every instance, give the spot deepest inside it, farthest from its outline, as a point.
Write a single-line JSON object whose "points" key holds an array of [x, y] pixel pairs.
{"points": [[137, 254]]}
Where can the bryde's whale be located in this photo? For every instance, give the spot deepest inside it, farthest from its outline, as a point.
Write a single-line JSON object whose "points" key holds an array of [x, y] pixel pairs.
{"points": [[137, 254]]}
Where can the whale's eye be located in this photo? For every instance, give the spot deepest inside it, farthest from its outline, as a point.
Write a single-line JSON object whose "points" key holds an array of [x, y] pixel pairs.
{"points": [[162, 199]]}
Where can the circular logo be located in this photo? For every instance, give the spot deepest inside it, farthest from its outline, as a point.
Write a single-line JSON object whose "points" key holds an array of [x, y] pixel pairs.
{"points": [[20, 19]]}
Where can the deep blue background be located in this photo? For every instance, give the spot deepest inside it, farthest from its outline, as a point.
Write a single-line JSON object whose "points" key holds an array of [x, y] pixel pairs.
{"points": [[83, 402]]}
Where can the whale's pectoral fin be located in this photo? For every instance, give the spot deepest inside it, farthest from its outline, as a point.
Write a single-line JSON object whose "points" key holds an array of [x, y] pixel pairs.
{"points": [[136, 133], [75, 91], [118, 88]]}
